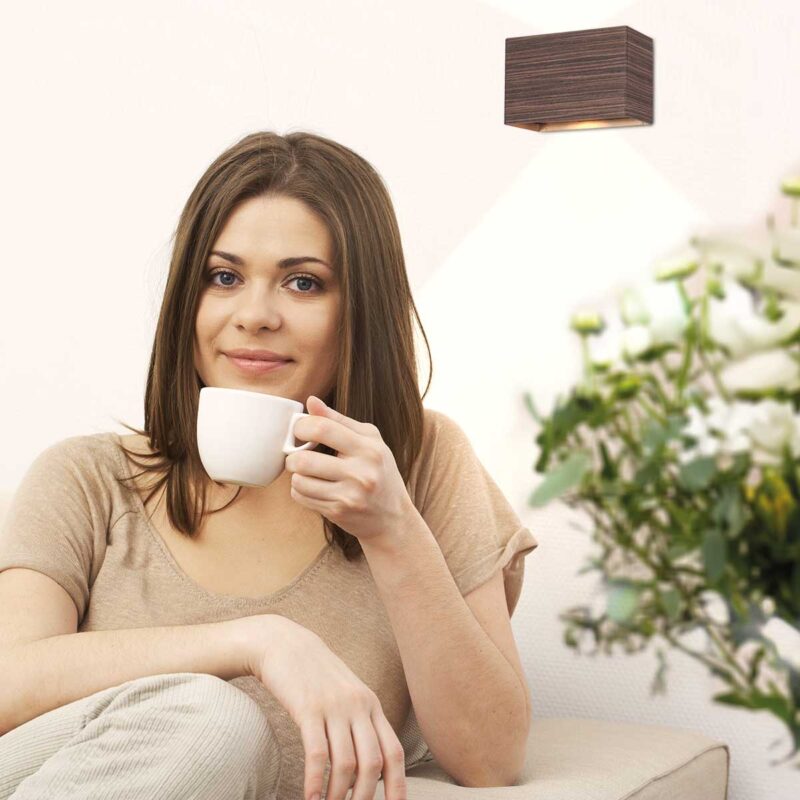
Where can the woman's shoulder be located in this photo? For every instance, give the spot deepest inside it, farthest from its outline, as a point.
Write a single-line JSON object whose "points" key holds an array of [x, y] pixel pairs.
{"points": [[441, 438], [435, 420], [73, 474], [79, 448], [440, 429], [93, 457]]}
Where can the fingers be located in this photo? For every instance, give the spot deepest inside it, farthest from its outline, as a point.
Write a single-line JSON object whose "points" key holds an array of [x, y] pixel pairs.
{"points": [[315, 746], [394, 758], [343, 757], [361, 749], [369, 757]]}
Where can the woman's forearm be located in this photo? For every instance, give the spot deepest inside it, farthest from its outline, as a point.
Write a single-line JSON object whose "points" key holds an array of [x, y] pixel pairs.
{"points": [[41, 675]]}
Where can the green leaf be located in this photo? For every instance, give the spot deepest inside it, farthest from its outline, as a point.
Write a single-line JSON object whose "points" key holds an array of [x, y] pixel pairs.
{"points": [[654, 435], [582, 406], [715, 553], [721, 672], [680, 548], [754, 664], [675, 425], [622, 602], [567, 474], [697, 474], [609, 471], [531, 406], [729, 510], [647, 474], [655, 352], [672, 603], [732, 699], [771, 702], [627, 387]]}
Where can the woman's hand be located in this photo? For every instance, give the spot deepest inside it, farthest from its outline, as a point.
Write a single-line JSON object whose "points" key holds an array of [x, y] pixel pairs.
{"points": [[359, 489], [338, 715]]}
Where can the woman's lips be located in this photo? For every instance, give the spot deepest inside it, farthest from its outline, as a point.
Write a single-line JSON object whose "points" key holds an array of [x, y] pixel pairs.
{"points": [[254, 367]]}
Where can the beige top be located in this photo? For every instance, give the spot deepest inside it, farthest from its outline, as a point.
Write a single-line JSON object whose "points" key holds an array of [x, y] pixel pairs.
{"points": [[71, 520]]}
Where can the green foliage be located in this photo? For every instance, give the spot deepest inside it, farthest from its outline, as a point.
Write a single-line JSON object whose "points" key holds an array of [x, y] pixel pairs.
{"points": [[674, 521], [697, 474], [566, 475]]}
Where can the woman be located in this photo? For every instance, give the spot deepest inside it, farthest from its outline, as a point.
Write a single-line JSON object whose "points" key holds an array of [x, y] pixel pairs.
{"points": [[209, 640]]}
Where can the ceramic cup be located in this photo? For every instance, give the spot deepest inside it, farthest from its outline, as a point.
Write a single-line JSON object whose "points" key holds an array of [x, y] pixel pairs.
{"points": [[244, 437]]}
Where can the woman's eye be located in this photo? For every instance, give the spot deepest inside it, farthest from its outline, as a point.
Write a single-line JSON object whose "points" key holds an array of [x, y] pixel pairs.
{"points": [[212, 275], [227, 284]]}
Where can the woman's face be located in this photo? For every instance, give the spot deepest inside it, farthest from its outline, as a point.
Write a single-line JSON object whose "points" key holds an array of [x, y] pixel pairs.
{"points": [[255, 304]]}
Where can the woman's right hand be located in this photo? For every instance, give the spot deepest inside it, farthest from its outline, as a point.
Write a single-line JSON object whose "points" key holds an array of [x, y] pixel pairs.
{"points": [[337, 713]]}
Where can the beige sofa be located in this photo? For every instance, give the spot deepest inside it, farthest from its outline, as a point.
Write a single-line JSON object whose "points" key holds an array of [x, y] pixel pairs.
{"points": [[589, 759]]}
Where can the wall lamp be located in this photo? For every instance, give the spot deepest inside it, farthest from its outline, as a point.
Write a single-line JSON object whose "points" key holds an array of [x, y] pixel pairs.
{"points": [[597, 78]]}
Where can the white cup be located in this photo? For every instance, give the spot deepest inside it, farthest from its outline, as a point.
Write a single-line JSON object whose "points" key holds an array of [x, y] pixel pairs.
{"points": [[244, 437]]}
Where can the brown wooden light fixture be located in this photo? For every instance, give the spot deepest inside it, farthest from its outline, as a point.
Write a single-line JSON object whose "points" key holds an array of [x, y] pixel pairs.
{"points": [[597, 78]]}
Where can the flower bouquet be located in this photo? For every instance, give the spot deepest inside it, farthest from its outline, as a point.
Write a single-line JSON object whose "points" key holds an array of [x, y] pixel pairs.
{"points": [[680, 442]]}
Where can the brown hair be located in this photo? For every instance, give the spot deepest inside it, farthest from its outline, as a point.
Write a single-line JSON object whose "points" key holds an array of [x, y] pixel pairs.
{"points": [[377, 380]]}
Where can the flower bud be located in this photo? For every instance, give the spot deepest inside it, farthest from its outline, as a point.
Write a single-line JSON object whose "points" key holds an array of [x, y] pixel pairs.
{"points": [[587, 322], [791, 186], [675, 268]]}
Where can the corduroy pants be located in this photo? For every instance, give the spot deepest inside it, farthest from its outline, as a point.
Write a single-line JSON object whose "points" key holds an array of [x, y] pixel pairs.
{"points": [[176, 735]]}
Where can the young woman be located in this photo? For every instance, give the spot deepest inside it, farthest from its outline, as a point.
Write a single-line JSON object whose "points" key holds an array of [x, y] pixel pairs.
{"points": [[166, 635]]}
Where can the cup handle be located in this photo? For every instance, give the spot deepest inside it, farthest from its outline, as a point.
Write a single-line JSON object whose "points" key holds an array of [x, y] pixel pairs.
{"points": [[288, 445]]}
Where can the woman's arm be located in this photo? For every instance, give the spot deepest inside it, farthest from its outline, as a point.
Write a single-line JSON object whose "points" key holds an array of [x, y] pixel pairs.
{"points": [[41, 675]]}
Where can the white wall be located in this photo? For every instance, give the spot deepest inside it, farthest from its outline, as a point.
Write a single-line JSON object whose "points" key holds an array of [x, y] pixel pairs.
{"points": [[113, 112]]}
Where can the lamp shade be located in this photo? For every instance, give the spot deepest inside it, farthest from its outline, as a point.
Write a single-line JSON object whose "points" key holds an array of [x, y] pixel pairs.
{"points": [[597, 78]]}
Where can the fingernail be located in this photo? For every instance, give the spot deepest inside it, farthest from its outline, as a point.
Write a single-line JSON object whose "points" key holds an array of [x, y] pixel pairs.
{"points": [[315, 797]]}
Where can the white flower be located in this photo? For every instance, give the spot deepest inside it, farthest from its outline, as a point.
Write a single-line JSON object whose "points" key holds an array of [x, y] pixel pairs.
{"points": [[659, 307], [786, 639], [773, 425], [606, 347], [772, 369], [696, 427], [706, 447], [730, 421], [737, 427], [761, 428], [738, 253], [735, 323], [636, 339], [709, 446], [632, 308]]}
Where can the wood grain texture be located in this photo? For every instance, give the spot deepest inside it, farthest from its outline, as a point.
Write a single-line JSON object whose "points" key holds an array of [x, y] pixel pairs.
{"points": [[601, 77]]}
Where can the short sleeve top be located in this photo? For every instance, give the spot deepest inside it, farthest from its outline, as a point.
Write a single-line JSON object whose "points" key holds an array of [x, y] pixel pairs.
{"points": [[71, 520]]}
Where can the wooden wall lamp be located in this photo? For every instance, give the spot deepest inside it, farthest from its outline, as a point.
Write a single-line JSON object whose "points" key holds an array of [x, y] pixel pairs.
{"points": [[598, 78]]}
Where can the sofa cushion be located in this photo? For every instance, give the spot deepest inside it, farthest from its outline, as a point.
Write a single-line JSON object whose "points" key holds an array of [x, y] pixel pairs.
{"points": [[589, 759]]}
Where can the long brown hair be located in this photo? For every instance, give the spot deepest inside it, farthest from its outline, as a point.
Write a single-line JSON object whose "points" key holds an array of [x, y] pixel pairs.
{"points": [[377, 380]]}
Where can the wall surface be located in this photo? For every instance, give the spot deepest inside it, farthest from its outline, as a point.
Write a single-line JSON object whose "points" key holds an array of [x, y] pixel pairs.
{"points": [[112, 112]]}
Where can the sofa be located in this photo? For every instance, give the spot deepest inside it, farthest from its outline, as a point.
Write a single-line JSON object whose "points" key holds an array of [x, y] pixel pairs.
{"points": [[587, 759]]}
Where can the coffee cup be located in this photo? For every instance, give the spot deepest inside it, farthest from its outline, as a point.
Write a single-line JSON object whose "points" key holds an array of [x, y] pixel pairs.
{"points": [[244, 437]]}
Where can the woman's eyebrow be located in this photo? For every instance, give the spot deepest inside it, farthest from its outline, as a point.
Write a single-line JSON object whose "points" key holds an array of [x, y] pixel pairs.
{"points": [[284, 263]]}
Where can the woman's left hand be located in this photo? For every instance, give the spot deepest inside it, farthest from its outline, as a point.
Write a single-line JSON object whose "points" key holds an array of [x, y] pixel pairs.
{"points": [[360, 489]]}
